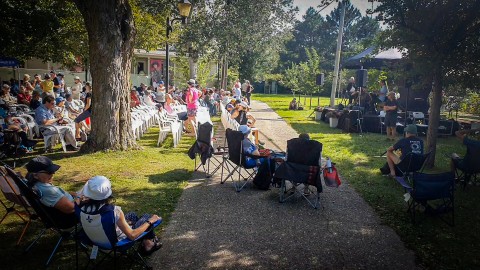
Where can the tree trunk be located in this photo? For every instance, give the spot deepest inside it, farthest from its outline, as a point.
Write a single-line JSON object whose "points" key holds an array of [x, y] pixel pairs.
{"points": [[111, 34], [434, 118], [192, 63], [224, 73]]}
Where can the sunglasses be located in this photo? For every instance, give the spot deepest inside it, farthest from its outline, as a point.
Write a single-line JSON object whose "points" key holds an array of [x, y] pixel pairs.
{"points": [[51, 173]]}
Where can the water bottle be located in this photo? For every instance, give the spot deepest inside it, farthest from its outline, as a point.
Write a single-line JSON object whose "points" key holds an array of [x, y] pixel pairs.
{"points": [[329, 165]]}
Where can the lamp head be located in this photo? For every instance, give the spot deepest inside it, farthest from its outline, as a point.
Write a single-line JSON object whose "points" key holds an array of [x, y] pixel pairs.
{"points": [[184, 7]]}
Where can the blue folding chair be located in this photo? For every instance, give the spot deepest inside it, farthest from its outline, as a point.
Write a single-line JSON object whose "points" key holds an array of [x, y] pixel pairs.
{"points": [[434, 193], [103, 235]]}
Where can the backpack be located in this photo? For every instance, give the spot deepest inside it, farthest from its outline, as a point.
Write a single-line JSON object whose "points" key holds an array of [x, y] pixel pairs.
{"points": [[263, 178]]}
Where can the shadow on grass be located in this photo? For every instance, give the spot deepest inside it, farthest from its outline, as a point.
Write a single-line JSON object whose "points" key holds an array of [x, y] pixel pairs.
{"points": [[170, 176]]}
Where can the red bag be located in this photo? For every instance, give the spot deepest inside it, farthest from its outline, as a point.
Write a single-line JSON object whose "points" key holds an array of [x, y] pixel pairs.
{"points": [[331, 178]]}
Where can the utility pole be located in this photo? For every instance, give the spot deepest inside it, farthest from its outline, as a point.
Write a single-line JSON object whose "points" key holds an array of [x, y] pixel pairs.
{"points": [[337, 55]]}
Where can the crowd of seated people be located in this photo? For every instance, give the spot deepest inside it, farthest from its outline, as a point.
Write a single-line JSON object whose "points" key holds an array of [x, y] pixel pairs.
{"points": [[69, 107], [49, 102]]}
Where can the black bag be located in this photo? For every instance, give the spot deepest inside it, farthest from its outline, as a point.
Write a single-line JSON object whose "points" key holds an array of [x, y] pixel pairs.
{"points": [[263, 178], [385, 169]]}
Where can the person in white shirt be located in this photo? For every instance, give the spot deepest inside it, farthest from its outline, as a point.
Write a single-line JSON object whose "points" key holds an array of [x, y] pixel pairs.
{"points": [[76, 88]]}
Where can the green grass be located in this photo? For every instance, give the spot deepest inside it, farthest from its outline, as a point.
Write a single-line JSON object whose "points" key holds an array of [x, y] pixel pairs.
{"points": [[437, 245], [145, 181]]}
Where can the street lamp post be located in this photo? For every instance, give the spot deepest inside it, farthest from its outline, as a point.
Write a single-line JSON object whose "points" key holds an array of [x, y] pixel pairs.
{"points": [[184, 7]]}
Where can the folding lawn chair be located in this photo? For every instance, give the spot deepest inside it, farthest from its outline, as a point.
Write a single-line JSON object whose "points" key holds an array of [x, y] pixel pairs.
{"points": [[235, 162], [204, 149], [18, 204], [411, 163], [468, 168], [62, 224], [302, 170], [99, 229], [438, 189]]}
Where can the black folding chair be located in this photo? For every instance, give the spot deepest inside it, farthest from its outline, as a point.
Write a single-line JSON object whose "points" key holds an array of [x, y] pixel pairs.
{"points": [[62, 224], [203, 149], [468, 168], [434, 193], [301, 169], [235, 163], [411, 163]]}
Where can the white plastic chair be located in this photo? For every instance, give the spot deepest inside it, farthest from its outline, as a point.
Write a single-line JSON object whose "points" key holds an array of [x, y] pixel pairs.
{"points": [[32, 126]]}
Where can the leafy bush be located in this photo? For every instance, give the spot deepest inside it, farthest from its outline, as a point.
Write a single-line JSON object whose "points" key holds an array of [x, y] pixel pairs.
{"points": [[471, 104]]}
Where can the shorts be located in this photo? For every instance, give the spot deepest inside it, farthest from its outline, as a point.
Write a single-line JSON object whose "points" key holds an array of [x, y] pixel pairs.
{"points": [[391, 120], [84, 115], [192, 112]]}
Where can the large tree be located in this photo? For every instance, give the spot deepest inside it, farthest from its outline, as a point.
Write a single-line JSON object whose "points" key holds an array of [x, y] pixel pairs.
{"points": [[442, 39], [111, 34], [315, 31]]}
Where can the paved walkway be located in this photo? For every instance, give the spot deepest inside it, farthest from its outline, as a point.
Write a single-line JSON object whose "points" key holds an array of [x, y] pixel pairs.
{"points": [[214, 227]]}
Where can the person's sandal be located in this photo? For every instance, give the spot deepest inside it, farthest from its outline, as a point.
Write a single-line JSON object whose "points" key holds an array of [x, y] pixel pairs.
{"points": [[156, 246]]}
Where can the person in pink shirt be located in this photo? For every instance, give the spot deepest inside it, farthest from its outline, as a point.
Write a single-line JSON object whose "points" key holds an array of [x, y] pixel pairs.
{"points": [[192, 103]]}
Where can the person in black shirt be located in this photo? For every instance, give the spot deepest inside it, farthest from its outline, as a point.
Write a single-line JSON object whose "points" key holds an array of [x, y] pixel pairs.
{"points": [[411, 143], [350, 91], [390, 108]]}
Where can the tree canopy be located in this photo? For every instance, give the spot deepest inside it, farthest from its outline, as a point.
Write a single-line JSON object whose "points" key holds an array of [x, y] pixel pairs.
{"points": [[441, 37]]}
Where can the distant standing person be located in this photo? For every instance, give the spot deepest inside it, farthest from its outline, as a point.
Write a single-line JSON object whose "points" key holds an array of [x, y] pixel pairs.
{"points": [[237, 90], [382, 93], [156, 75], [192, 104], [248, 91], [391, 107], [351, 89], [76, 88]]}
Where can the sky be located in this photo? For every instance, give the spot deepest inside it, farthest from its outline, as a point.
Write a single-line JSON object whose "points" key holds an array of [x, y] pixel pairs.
{"points": [[303, 5]]}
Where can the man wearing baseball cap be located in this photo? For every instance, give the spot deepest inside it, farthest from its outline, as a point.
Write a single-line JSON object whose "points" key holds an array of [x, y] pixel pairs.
{"points": [[409, 144], [40, 177]]}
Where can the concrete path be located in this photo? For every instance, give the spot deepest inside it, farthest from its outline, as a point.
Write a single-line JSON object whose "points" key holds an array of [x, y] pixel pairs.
{"points": [[214, 227]]}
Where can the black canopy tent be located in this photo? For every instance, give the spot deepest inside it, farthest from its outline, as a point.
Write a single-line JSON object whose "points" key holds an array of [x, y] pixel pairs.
{"points": [[369, 58], [390, 59]]}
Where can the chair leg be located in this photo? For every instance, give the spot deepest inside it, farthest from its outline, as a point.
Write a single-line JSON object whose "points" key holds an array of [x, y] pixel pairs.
{"points": [[35, 241], [54, 250], [23, 231]]}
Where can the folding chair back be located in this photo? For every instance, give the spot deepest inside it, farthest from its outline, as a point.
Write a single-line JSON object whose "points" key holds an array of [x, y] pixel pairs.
{"points": [[205, 131], [99, 226], [202, 147], [412, 163], [10, 189], [301, 169], [306, 152], [234, 142], [19, 204], [429, 187]]}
